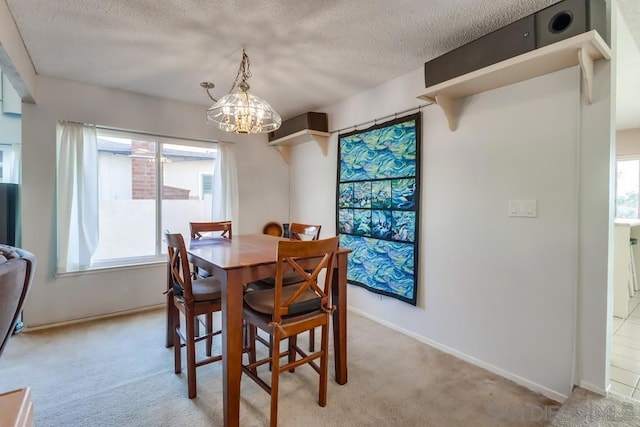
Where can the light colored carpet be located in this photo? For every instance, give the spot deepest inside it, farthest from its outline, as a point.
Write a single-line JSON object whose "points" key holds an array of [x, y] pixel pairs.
{"points": [[586, 409], [117, 372]]}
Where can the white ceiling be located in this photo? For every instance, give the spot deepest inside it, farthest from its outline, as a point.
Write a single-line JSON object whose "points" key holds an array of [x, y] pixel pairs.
{"points": [[304, 54]]}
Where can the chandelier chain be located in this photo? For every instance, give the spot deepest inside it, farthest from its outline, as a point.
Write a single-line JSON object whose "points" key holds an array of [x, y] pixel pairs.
{"points": [[244, 70]]}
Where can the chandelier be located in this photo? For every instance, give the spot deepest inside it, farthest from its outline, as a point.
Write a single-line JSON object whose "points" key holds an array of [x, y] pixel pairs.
{"points": [[240, 111]]}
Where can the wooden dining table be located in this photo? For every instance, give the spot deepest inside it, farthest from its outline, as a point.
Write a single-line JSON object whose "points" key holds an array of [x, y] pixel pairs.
{"points": [[244, 259]]}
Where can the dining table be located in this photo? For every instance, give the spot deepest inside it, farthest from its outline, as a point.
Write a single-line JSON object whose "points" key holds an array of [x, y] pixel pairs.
{"points": [[244, 259]]}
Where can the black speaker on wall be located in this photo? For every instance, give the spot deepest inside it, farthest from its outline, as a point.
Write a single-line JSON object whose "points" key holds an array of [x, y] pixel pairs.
{"points": [[9, 214], [513, 40], [560, 21], [569, 18]]}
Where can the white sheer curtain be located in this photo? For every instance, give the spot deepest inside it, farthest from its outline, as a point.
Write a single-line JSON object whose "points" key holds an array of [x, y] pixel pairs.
{"points": [[225, 185], [77, 196], [11, 163]]}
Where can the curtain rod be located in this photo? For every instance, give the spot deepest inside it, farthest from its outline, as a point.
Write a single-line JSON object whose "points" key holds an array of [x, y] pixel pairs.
{"points": [[375, 121], [142, 133]]}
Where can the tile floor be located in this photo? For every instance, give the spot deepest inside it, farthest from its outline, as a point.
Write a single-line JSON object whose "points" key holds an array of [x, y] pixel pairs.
{"points": [[625, 352]]}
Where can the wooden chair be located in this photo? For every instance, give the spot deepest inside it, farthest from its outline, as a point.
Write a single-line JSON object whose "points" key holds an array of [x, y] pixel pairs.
{"points": [[286, 311], [201, 230], [192, 298], [297, 231], [204, 230]]}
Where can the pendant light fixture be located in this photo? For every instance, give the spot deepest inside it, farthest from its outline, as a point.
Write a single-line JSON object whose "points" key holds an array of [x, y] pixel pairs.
{"points": [[241, 111]]}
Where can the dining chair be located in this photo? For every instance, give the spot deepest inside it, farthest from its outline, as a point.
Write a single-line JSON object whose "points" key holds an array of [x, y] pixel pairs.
{"points": [[284, 312], [297, 231], [203, 230], [192, 298]]}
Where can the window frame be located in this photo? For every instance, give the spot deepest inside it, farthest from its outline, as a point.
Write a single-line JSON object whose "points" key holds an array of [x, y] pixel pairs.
{"points": [[160, 252], [626, 158]]}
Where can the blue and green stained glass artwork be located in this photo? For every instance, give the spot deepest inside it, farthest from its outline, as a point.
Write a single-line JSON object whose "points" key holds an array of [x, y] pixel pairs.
{"points": [[378, 206]]}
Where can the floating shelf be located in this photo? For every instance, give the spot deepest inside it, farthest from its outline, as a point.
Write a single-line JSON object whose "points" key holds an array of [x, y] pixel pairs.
{"points": [[582, 50], [283, 145]]}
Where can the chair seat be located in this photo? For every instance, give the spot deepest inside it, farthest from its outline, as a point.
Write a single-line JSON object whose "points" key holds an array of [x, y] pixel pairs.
{"points": [[290, 278], [261, 301], [206, 289]]}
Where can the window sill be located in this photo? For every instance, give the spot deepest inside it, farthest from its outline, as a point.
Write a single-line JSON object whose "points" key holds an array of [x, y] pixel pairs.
{"points": [[111, 267]]}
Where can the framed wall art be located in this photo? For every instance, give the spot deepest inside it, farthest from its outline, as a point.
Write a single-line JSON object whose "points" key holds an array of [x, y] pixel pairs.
{"points": [[378, 206]]}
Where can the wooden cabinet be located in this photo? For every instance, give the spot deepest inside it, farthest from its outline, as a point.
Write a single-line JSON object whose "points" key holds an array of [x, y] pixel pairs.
{"points": [[16, 408]]}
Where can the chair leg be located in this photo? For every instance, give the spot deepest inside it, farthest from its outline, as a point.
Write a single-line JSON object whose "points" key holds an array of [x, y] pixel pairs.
{"points": [[324, 365], [209, 340], [177, 347], [275, 373], [252, 345], [191, 355], [293, 341], [312, 340]]}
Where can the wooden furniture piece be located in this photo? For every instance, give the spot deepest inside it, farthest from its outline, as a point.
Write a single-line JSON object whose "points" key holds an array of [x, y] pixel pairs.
{"points": [[247, 258], [201, 230], [286, 311], [583, 49], [17, 268], [191, 298], [272, 229], [16, 408], [297, 231]]}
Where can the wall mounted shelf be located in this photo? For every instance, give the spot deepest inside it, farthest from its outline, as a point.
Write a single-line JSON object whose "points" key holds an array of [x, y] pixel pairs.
{"points": [[283, 145], [582, 50]]}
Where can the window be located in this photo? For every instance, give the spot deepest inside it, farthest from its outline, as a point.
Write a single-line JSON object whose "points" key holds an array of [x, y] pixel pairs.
{"points": [[207, 185], [146, 184], [627, 187], [10, 163]]}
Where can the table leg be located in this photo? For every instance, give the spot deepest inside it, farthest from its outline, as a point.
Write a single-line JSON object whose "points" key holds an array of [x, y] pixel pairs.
{"points": [[339, 297], [232, 303]]}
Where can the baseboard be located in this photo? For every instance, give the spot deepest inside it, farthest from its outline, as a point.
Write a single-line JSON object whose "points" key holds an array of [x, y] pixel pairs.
{"points": [[92, 318], [595, 389], [545, 391]]}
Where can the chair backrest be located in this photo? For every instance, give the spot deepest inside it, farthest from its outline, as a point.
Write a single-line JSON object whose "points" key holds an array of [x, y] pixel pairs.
{"points": [[210, 229], [179, 273], [17, 268], [291, 252], [299, 231]]}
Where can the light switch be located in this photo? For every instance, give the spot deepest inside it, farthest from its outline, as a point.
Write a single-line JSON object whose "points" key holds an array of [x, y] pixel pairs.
{"points": [[523, 208]]}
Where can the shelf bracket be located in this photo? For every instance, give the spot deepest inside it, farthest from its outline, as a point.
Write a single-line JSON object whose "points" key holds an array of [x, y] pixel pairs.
{"points": [[447, 104], [285, 152], [283, 145], [586, 65]]}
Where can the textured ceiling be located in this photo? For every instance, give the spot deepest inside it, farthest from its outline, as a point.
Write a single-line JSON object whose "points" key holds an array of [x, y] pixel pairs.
{"points": [[304, 54]]}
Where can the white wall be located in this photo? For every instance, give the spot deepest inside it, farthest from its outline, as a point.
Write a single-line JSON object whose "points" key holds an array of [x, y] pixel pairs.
{"points": [[55, 299], [495, 290]]}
